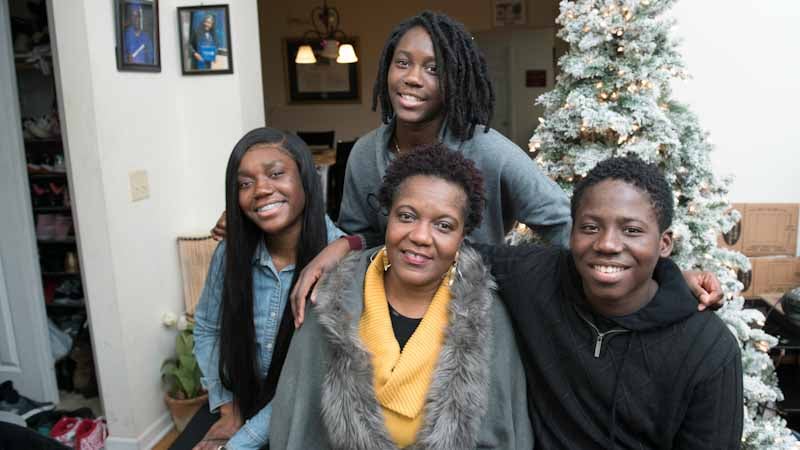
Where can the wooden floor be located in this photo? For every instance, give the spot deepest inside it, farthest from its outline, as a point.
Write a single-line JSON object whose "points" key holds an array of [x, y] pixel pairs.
{"points": [[167, 440]]}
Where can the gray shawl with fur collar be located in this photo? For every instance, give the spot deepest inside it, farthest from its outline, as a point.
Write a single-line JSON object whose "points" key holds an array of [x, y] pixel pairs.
{"points": [[477, 398]]}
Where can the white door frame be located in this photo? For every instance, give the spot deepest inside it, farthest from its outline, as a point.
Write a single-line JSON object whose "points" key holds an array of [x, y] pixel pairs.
{"points": [[25, 356]]}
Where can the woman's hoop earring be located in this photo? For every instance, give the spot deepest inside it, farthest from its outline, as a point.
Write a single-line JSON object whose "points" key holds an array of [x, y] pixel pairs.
{"points": [[453, 271], [386, 263]]}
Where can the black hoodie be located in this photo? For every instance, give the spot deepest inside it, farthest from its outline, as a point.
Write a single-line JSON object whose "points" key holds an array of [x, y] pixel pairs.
{"points": [[663, 377]]}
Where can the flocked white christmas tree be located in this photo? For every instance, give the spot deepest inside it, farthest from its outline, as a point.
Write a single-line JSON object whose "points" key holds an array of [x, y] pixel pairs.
{"points": [[612, 98]]}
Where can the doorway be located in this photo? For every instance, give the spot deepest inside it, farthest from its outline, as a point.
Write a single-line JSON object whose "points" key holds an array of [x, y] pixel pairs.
{"points": [[47, 355]]}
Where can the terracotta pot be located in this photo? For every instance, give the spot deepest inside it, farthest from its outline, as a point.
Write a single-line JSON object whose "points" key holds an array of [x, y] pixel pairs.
{"points": [[182, 411]]}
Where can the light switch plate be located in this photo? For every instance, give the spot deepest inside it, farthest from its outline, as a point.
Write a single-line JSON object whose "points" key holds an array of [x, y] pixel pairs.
{"points": [[140, 188]]}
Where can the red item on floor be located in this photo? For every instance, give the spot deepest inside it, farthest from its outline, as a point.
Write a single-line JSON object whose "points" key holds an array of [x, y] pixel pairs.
{"points": [[65, 430], [91, 435], [80, 434]]}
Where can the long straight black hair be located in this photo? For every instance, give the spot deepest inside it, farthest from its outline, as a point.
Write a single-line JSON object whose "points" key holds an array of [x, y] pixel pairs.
{"points": [[238, 362]]}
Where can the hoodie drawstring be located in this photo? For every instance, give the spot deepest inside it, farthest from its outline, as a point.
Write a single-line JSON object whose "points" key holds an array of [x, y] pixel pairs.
{"points": [[613, 430]]}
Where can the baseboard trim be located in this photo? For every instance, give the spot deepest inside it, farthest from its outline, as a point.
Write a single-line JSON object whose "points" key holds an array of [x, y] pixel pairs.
{"points": [[118, 443], [157, 430], [147, 440]]}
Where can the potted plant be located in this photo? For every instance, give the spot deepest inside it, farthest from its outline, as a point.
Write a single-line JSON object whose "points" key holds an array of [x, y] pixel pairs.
{"points": [[181, 374]]}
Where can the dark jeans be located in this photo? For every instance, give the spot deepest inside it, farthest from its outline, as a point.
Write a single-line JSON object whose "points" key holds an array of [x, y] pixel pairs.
{"points": [[15, 437], [195, 429]]}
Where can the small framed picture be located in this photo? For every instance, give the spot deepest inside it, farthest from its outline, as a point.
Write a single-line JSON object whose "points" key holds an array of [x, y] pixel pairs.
{"points": [[509, 12], [138, 44], [324, 81], [205, 35]]}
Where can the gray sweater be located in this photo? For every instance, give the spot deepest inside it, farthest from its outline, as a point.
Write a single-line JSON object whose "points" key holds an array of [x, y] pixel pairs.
{"points": [[477, 397], [515, 189]]}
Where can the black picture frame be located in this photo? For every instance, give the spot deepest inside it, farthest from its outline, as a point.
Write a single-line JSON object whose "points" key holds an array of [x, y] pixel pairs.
{"points": [[205, 51], [324, 82], [138, 39]]}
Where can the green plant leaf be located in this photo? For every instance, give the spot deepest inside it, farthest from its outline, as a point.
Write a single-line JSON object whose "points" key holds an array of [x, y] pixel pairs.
{"points": [[169, 366], [183, 373], [184, 343]]}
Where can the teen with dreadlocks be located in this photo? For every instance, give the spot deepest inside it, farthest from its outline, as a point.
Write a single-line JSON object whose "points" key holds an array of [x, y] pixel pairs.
{"points": [[433, 86]]}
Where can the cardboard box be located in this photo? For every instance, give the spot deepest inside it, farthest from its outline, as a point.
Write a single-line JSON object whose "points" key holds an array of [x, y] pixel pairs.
{"points": [[771, 275], [766, 229]]}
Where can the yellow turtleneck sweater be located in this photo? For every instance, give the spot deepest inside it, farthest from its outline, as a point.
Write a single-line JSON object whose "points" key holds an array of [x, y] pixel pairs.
{"points": [[401, 380]]}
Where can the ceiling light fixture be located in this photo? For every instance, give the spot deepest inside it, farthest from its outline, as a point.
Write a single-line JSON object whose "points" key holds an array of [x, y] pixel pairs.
{"points": [[325, 20]]}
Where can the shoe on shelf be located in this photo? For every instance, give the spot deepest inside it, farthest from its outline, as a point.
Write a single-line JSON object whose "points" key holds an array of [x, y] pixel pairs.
{"points": [[58, 164], [69, 289], [45, 226], [39, 128], [41, 194], [23, 43], [11, 401], [35, 168], [62, 227], [70, 263]]}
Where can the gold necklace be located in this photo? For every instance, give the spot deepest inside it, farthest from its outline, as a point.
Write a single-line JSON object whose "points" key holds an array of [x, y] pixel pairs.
{"points": [[396, 145]]}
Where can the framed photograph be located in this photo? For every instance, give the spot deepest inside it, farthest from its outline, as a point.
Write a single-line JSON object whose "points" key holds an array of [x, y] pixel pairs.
{"points": [[138, 44], [509, 12], [325, 81], [205, 34]]}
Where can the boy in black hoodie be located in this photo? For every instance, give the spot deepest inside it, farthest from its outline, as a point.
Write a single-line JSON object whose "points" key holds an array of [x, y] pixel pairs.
{"points": [[616, 354]]}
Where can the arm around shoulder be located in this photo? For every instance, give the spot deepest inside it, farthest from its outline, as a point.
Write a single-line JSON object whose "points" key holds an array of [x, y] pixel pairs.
{"points": [[359, 209], [538, 201]]}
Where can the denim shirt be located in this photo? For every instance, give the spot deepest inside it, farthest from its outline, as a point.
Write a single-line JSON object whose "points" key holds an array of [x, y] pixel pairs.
{"points": [[271, 292]]}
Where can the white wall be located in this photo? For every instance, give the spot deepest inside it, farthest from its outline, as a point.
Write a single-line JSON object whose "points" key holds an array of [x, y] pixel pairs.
{"points": [[531, 50], [528, 49], [180, 129], [745, 89]]}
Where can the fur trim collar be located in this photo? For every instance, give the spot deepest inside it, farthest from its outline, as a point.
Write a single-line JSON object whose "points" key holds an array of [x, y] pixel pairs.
{"points": [[460, 386]]}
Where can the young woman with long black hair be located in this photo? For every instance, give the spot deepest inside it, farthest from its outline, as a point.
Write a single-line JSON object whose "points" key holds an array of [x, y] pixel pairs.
{"points": [[276, 225]]}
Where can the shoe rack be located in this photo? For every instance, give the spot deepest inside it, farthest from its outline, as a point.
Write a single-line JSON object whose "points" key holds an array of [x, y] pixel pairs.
{"points": [[51, 204]]}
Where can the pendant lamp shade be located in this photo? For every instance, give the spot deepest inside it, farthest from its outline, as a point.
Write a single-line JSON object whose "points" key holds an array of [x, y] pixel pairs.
{"points": [[305, 55]]}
